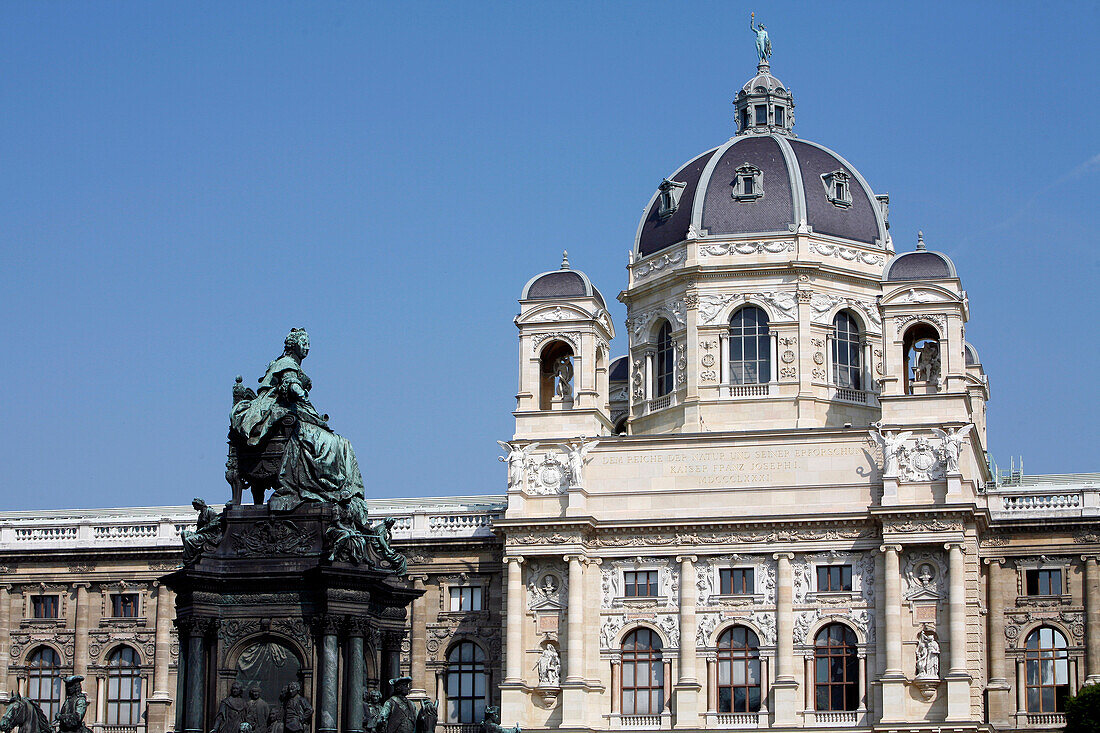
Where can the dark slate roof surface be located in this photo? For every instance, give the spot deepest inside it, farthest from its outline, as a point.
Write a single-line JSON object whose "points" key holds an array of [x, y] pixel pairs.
{"points": [[657, 234], [857, 222], [772, 212]]}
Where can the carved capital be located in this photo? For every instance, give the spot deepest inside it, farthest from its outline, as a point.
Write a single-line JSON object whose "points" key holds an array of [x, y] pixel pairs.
{"points": [[787, 555], [518, 559], [689, 558], [889, 548], [949, 545]]}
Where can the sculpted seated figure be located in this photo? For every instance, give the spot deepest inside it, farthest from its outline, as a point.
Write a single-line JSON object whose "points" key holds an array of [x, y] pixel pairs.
{"points": [[317, 464]]}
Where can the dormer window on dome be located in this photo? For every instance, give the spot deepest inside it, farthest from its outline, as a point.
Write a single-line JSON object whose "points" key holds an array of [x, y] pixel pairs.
{"points": [[669, 198], [838, 188], [748, 183]]}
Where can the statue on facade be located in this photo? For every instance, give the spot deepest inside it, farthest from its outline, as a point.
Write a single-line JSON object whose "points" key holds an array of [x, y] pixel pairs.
{"points": [[397, 714], [349, 535], [563, 378], [952, 443], [256, 710], [231, 711], [928, 654], [206, 535], [275, 720], [928, 363], [297, 711], [372, 709], [491, 722], [70, 718], [517, 459], [427, 718], [763, 43], [24, 714], [576, 452], [892, 446], [317, 464], [549, 666], [380, 537]]}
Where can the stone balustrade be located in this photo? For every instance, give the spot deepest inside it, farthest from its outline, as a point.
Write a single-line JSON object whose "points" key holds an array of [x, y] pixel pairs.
{"points": [[442, 518], [1044, 499]]}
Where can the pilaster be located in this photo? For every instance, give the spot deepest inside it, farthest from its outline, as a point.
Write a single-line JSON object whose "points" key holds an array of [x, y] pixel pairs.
{"points": [[687, 686], [513, 698], [80, 639], [785, 689], [998, 689], [1091, 594], [893, 680], [958, 679]]}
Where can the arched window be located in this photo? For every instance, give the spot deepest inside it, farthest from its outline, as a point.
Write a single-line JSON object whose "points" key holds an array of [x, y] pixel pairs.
{"points": [[664, 368], [556, 376], [466, 683], [123, 687], [847, 362], [643, 673], [836, 669], [44, 680], [1047, 666], [738, 671], [750, 347], [921, 345]]}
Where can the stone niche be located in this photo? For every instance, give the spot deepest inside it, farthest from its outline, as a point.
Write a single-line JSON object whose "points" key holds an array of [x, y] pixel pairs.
{"points": [[267, 606]]}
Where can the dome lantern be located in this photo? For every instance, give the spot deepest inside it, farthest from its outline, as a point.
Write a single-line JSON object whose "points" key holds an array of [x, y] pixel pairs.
{"points": [[764, 103]]}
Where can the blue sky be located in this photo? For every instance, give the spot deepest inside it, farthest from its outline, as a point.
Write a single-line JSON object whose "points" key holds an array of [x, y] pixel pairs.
{"points": [[183, 182]]}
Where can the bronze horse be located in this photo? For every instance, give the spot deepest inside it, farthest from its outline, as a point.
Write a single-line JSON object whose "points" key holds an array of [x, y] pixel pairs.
{"points": [[24, 713]]}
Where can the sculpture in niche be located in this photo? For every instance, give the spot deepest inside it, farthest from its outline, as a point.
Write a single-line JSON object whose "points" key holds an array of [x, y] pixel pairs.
{"points": [[380, 537], [70, 718], [892, 446], [518, 460], [397, 714], [256, 710], [275, 721], [297, 712], [315, 463], [763, 43], [928, 363], [928, 654], [952, 445], [491, 722], [24, 714], [549, 666], [577, 455], [563, 378], [205, 536], [427, 717], [231, 711]]}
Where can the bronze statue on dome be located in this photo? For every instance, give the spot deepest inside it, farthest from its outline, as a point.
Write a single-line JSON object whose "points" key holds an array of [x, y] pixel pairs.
{"points": [[763, 43]]}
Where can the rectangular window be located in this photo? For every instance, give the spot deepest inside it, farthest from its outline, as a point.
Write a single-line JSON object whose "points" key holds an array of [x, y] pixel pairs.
{"points": [[840, 192], [1044, 582], [761, 114], [640, 584], [736, 581], [466, 598], [45, 606], [745, 119], [124, 605], [746, 186], [834, 578], [779, 116]]}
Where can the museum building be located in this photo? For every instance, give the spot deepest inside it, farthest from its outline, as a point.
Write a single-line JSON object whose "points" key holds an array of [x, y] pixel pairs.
{"points": [[775, 511]]}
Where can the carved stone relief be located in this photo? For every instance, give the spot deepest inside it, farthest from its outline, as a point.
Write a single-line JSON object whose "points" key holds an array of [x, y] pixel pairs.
{"points": [[924, 574], [573, 338], [719, 249], [711, 307], [862, 619], [822, 304], [847, 253], [547, 584], [637, 325], [934, 318], [665, 261]]}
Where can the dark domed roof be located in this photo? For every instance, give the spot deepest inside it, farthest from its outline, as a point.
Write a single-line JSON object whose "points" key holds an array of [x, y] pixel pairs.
{"points": [[796, 178], [620, 370], [923, 264], [970, 354], [561, 283]]}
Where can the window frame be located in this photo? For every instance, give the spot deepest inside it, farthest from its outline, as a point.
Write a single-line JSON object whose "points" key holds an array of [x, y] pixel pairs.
{"points": [[729, 658], [847, 371], [824, 655], [664, 362], [38, 601], [118, 676], [841, 199], [760, 336], [843, 569], [119, 605], [652, 582], [748, 183], [726, 585], [650, 659], [1039, 659], [1037, 574], [462, 674], [48, 676], [476, 593]]}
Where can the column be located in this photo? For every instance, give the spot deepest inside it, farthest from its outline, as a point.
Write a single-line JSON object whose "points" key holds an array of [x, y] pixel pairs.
{"points": [[196, 677], [573, 686], [712, 685], [514, 632], [5, 640], [862, 655], [513, 699], [357, 674], [808, 679], [687, 687], [80, 652], [181, 677], [958, 680], [418, 633], [785, 688], [326, 718], [161, 698], [999, 689], [1091, 594], [441, 694], [765, 678], [1021, 689], [893, 680], [101, 700], [616, 671]]}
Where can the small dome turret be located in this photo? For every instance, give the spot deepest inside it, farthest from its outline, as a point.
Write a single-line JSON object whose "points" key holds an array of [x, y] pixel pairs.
{"points": [[921, 264], [564, 282]]}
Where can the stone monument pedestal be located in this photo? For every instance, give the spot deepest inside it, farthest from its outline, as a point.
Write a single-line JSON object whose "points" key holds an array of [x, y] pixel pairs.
{"points": [[267, 607]]}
